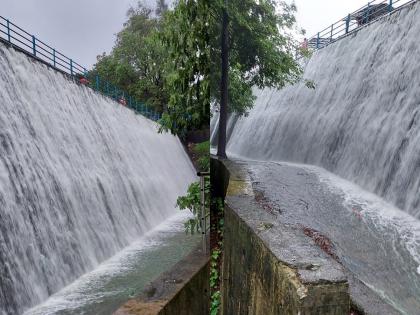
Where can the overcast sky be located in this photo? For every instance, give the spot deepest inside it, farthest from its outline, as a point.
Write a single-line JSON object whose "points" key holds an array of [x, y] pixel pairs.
{"points": [[82, 29], [316, 15]]}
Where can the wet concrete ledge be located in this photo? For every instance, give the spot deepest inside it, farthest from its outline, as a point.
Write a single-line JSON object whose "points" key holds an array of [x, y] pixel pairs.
{"points": [[273, 268], [183, 290]]}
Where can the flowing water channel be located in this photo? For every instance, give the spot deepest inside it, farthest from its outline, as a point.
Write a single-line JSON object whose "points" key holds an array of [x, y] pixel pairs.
{"points": [[124, 276]]}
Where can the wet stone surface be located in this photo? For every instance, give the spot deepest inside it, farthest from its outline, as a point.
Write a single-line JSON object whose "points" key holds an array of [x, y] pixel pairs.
{"points": [[309, 227]]}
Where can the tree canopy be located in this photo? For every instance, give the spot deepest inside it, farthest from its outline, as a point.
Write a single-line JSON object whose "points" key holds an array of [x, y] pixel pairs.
{"points": [[137, 63], [163, 59], [171, 59], [186, 37]]}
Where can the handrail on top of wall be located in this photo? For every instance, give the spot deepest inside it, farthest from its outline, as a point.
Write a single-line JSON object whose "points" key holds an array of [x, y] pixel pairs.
{"points": [[33, 46]]}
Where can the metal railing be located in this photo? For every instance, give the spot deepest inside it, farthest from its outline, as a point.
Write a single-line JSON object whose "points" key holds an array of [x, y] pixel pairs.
{"points": [[33, 46], [204, 213], [354, 21]]}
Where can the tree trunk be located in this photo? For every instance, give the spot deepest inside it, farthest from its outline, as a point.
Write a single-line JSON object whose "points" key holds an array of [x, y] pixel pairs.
{"points": [[221, 145]]}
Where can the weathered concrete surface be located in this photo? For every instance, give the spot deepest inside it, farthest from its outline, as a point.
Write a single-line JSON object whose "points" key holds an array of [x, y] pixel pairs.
{"points": [[184, 290], [291, 212], [271, 268], [257, 281], [370, 244]]}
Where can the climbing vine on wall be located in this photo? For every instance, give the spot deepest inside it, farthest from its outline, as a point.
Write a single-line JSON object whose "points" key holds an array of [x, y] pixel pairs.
{"points": [[216, 256]]}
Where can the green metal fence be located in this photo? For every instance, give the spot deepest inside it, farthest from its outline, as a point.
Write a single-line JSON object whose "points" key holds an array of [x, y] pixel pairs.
{"points": [[18, 37]]}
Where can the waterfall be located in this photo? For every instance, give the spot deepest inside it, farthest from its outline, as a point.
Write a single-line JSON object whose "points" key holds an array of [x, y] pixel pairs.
{"points": [[362, 122], [81, 177]]}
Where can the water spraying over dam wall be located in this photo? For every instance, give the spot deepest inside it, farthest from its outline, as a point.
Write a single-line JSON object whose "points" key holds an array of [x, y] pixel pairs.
{"points": [[362, 121], [81, 177]]}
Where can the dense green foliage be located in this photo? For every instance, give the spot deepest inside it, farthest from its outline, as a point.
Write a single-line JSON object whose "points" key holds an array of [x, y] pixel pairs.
{"points": [[215, 282], [162, 58], [202, 151], [138, 61], [186, 36], [217, 205], [192, 200], [170, 59]]}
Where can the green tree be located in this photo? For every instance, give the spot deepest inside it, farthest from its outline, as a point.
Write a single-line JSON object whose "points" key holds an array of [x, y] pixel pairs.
{"points": [[137, 63], [260, 51], [186, 37], [164, 60]]}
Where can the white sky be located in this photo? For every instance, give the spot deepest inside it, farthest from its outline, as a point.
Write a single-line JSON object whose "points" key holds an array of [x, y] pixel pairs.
{"points": [[82, 29]]}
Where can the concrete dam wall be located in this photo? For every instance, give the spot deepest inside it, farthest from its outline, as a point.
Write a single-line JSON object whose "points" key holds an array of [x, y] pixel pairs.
{"points": [[81, 177], [362, 121], [344, 160]]}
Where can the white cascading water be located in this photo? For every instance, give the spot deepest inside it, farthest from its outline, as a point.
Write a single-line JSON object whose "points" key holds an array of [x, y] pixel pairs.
{"points": [[362, 122], [81, 177]]}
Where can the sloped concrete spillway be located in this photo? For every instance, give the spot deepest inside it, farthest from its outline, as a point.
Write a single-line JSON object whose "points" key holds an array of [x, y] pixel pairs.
{"points": [[362, 122], [80, 179]]}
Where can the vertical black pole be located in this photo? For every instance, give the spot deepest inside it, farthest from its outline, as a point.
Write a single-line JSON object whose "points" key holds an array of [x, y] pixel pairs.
{"points": [[221, 145], [34, 45], [317, 41], [8, 31], [332, 31]]}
